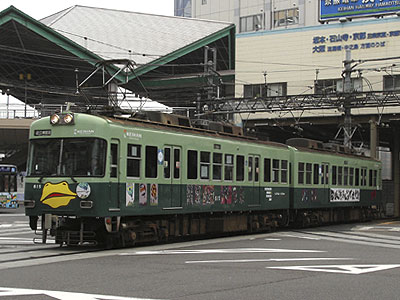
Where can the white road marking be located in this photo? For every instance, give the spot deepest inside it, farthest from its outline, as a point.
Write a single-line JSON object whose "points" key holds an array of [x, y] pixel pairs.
{"points": [[217, 251], [264, 260], [272, 239], [7, 292], [302, 237], [345, 269]]}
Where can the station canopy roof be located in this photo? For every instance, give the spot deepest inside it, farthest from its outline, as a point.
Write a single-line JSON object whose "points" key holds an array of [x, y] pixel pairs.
{"points": [[72, 55]]}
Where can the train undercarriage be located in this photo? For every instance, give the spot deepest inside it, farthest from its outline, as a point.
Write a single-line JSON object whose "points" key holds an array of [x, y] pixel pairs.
{"points": [[113, 232]]}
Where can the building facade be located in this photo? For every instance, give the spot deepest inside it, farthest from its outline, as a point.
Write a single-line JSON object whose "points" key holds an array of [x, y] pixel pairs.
{"points": [[252, 15]]}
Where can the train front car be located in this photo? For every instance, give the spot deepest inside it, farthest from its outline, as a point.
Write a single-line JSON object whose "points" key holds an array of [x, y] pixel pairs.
{"points": [[67, 178]]}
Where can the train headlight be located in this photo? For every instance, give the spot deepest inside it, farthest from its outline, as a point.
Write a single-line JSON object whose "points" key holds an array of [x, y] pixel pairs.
{"points": [[54, 119], [68, 118]]}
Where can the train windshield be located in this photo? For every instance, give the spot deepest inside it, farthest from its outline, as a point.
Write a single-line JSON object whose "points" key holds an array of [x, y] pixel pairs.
{"points": [[67, 157]]}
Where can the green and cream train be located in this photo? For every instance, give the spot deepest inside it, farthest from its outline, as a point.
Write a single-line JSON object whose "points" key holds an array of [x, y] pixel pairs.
{"points": [[96, 179]]}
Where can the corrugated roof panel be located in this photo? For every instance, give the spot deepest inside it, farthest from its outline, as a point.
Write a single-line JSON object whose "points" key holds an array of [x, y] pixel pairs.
{"points": [[112, 33]]}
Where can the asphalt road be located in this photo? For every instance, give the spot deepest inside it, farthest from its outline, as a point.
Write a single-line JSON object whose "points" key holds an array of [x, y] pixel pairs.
{"points": [[351, 261]]}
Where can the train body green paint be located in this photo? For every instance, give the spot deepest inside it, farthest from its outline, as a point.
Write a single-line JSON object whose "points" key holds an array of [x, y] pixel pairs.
{"points": [[98, 169]]}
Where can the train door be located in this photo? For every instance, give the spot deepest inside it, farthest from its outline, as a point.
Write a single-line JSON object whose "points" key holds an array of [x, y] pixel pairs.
{"points": [[114, 198], [172, 172], [254, 178], [325, 181]]}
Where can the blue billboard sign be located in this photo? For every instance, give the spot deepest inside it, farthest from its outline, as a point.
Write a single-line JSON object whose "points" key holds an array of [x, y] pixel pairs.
{"points": [[335, 9]]}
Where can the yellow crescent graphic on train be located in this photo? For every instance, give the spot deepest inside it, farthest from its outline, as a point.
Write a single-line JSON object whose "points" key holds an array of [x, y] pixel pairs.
{"points": [[56, 195]]}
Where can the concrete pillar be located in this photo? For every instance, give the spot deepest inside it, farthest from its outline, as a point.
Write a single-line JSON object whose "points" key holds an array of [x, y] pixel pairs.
{"points": [[396, 170], [373, 137]]}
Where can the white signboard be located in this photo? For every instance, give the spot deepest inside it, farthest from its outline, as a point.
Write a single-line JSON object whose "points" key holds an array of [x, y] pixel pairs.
{"points": [[345, 195]]}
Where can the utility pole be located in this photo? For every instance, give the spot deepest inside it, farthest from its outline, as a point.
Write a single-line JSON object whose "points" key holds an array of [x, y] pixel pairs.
{"points": [[347, 89]]}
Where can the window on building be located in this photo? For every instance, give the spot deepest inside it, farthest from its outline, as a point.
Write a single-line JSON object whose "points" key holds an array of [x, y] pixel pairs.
{"points": [[183, 8], [228, 171], [259, 90], [203, 2], [151, 162], [133, 161], [192, 164], [286, 17], [251, 23], [217, 166], [391, 82], [332, 86]]}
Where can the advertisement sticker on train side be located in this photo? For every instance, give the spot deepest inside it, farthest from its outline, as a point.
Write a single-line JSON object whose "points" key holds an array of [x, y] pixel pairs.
{"points": [[345, 195]]}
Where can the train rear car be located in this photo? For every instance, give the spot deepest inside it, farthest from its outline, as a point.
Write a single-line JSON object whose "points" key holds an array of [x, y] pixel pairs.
{"points": [[333, 186]]}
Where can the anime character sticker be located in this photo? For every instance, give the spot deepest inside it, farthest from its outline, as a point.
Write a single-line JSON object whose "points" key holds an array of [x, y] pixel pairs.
{"points": [[154, 194], [143, 194], [130, 194]]}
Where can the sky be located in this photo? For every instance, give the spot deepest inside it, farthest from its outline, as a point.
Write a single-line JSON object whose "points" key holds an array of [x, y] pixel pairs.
{"points": [[39, 9]]}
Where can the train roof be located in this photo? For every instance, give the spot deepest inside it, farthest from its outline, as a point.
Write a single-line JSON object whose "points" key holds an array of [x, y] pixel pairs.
{"points": [[191, 130]]}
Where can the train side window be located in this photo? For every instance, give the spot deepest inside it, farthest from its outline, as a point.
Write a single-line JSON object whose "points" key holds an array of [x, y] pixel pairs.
{"points": [[167, 163], [177, 163], [250, 169], [363, 176], [267, 170], [133, 161], [256, 169], [370, 178], [204, 165], [217, 166], [345, 175], [316, 174], [300, 174], [340, 175], [151, 162], [228, 167], [334, 175], [192, 164], [275, 170], [114, 160], [308, 173], [357, 177], [239, 168], [375, 181], [284, 171], [351, 176]]}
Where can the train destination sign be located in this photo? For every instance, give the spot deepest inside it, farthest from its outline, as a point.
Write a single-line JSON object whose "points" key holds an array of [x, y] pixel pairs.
{"points": [[335, 9]]}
